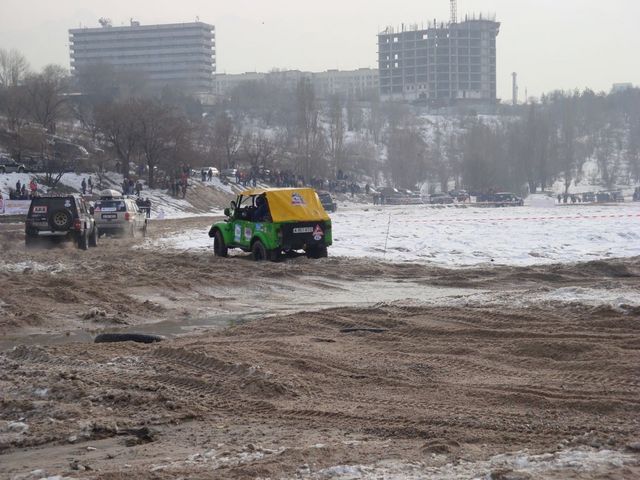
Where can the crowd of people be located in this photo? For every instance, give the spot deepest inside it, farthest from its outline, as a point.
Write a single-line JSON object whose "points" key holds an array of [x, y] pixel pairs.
{"points": [[24, 191]]}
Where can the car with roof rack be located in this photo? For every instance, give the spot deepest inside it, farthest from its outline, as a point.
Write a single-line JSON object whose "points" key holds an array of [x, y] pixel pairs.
{"points": [[117, 213]]}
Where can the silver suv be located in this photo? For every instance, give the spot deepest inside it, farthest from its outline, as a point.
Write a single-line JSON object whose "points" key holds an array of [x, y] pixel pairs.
{"points": [[116, 213]]}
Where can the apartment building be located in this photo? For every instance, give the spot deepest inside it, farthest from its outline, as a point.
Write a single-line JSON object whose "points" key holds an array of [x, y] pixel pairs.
{"points": [[179, 54]]}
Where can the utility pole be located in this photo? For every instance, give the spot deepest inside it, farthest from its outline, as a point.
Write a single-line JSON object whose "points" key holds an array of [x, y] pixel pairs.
{"points": [[515, 88], [454, 11]]}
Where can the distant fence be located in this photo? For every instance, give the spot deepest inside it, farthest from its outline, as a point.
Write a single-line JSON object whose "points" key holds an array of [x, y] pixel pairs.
{"points": [[14, 207]]}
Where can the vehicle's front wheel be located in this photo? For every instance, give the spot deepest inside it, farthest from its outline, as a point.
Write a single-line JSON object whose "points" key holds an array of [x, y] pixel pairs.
{"points": [[259, 251], [219, 247]]}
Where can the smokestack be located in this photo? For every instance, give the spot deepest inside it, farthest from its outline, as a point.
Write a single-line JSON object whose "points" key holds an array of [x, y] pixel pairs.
{"points": [[515, 88]]}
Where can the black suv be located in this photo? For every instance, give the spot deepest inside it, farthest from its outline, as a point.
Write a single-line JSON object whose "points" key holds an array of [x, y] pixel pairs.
{"points": [[65, 217], [327, 201]]}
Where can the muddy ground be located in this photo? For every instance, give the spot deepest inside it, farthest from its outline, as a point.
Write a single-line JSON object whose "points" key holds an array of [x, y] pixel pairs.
{"points": [[429, 373]]}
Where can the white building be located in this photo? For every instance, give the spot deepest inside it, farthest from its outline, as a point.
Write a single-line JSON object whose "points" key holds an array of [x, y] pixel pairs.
{"points": [[180, 54]]}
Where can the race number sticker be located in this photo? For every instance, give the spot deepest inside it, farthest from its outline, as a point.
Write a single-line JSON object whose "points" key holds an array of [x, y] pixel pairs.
{"points": [[317, 233], [40, 209], [237, 234]]}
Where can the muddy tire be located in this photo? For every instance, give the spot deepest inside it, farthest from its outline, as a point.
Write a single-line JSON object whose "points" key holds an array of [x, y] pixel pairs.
{"points": [[274, 255], [318, 251], [258, 251], [93, 239], [219, 247], [127, 337], [83, 241]]}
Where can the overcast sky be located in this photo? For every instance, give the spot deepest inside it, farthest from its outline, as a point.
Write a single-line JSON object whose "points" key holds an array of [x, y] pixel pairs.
{"points": [[552, 44]]}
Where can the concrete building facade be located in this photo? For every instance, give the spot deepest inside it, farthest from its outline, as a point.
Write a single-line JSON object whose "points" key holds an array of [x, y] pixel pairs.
{"points": [[180, 55], [442, 64], [347, 83]]}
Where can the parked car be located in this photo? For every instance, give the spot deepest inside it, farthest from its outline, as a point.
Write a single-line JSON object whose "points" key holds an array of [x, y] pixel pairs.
{"points": [[507, 199], [327, 201], [115, 213], [9, 165], [61, 218], [229, 173], [268, 222], [460, 195], [440, 199]]}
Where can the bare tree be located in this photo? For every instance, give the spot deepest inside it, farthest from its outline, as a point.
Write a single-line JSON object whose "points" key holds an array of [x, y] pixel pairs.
{"points": [[311, 142], [227, 136], [13, 67], [118, 123], [46, 96], [258, 148], [336, 134]]}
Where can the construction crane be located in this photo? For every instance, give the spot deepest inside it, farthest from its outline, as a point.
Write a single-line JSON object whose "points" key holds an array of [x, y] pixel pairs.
{"points": [[454, 11]]}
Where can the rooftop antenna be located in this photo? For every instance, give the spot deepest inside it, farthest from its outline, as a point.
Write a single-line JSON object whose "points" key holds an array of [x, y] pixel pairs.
{"points": [[454, 11]]}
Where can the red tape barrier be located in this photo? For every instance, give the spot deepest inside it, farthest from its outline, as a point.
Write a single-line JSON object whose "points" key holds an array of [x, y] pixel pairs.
{"points": [[505, 219]]}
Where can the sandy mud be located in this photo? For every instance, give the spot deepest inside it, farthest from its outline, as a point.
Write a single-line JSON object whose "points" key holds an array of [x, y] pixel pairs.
{"points": [[414, 371]]}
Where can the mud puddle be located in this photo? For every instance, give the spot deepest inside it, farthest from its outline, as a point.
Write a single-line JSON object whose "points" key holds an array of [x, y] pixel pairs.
{"points": [[305, 294]]}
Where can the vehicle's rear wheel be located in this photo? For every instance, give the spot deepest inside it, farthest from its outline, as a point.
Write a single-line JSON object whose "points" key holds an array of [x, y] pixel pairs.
{"points": [[258, 251], [317, 251], [219, 247], [83, 241], [93, 240]]}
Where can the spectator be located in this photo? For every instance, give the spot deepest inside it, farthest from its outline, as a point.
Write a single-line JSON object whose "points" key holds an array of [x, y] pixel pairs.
{"points": [[23, 192], [83, 185], [138, 188], [210, 174], [147, 206], [33, 188], [90, 184], [18, 186]]}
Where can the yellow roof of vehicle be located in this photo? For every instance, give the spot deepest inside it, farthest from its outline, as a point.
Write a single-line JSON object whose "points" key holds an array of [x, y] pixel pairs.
{"points": [[291, 204]]}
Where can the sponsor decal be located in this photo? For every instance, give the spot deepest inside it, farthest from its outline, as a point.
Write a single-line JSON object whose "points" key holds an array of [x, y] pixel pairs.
{"points": [[40, 209], [317, 233], [296, 199], [67, 203], [259, 227], [303, 230], [247, 233], [237, 234]]}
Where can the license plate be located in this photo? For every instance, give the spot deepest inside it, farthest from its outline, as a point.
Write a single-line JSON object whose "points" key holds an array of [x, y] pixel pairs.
{"points": [[109, 215], [303, 230]]}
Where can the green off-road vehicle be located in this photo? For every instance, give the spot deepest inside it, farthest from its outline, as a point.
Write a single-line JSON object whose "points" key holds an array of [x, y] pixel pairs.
{"points": [[272, 221]]}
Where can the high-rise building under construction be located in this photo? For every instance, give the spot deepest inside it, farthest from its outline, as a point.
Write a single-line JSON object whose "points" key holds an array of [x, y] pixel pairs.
{"points": [[442, 64]]}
